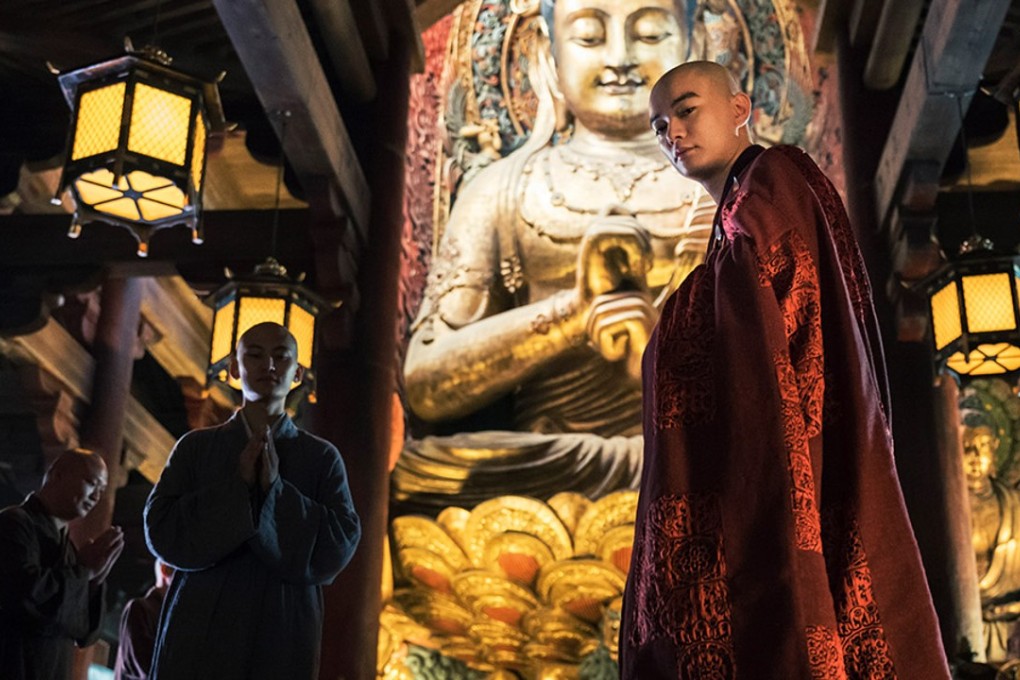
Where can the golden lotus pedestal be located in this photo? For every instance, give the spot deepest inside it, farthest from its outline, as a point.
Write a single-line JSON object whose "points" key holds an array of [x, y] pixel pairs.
{"points": [[515, 588]]}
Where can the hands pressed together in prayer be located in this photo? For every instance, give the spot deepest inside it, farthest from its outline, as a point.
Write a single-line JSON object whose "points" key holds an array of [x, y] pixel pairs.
{"points": [[259, 461], [615, 257], [99, 554]]}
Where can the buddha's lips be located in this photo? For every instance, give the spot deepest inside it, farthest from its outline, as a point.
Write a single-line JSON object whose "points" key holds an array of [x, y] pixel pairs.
{"points": [[624, 86]]}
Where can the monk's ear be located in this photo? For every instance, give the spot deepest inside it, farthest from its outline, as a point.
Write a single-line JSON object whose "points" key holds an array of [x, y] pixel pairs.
{"points": [[741, 109], [299, 373], [234, 369]]}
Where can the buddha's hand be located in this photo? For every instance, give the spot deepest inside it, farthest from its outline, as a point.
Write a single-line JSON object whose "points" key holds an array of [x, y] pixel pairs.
{"points": [[615, 256], [619, 325], [614, 260], [1009, 611]]}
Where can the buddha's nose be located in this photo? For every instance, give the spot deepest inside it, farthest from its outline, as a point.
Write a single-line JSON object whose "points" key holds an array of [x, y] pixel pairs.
{"points": [[620, 49]]}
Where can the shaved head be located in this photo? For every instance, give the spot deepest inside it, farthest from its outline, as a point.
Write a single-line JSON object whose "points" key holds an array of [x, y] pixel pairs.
{"points": [[76, 462], [267, 330], [266, 362], [700, 117], [74, 484], [715, 76]]}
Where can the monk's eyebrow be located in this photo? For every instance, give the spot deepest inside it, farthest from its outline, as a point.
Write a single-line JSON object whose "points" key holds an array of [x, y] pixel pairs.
{"points": [[685, 96]]}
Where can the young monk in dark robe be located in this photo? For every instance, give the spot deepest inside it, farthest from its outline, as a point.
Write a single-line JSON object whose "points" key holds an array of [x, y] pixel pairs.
{"points": [[255, 516], [772, 540]]}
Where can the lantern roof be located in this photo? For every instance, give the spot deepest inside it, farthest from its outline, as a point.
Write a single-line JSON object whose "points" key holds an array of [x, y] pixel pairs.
{"points": [[153, 60]]}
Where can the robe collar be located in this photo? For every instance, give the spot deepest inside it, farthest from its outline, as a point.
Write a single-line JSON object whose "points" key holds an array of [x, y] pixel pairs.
{"points": [[740, 165], [34, 505], [283, 428]]}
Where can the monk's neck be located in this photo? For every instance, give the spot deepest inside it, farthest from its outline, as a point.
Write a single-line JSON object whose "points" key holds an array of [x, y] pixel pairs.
{"points": [[259, 414], [716, 184]]}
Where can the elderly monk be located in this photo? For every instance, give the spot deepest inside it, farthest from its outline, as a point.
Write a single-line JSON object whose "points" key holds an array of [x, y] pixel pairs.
{"points": [[771, 539], [256, 516], [51, 593]]}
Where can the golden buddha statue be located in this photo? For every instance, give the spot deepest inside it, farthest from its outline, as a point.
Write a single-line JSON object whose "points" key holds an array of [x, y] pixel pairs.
{"points": [[551, 271], [995, 521]]}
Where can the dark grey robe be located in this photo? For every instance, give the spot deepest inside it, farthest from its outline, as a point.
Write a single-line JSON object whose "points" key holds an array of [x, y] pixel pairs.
{"points": [[46, 603], [246, 601]]}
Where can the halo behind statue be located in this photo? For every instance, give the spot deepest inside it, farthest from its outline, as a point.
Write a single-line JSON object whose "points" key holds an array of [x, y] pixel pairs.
{"points": [[490, 104], [993, 402], [759, 41]]}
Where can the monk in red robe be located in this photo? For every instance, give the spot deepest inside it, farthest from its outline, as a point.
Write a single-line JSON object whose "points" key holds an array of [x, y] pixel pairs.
{"points": [[772, 540]]}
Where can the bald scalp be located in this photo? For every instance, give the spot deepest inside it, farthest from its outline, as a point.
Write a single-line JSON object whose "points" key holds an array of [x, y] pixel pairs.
{"points": [[75, 462], [715, 76], [266, 329]]}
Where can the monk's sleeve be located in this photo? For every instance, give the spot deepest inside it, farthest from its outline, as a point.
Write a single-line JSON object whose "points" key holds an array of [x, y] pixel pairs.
{"points": [[49, 599], [191, 522], [309, 540]]}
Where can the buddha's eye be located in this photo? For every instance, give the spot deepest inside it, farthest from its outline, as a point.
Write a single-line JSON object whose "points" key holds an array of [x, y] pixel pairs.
{"points": [[587, 31], [652, 28]]}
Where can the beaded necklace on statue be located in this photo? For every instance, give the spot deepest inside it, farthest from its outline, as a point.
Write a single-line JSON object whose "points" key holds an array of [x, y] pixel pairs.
{"points": [[623, 175]]}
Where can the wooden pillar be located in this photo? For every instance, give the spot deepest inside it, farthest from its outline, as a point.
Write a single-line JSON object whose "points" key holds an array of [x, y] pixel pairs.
{"points": [[355, 385], [964, 592], [103, 426]]}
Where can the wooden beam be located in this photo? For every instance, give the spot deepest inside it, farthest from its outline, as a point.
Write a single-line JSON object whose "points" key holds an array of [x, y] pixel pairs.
{"points": [[828, 21], [863, 21], [403, 21], [37, 245], [55, 351], [891, 43], [374, 30], [341, 36], [272, 41], [184, 328], [954, 47]]}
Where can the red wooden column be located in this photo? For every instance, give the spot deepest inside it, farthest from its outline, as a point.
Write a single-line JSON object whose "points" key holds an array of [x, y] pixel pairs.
{"points": [[103, 426], [355, 384], [963, 590]]}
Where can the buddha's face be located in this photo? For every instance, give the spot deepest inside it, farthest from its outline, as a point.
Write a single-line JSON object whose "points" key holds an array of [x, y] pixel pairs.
{"points": [[609, 53], [979, 446]]}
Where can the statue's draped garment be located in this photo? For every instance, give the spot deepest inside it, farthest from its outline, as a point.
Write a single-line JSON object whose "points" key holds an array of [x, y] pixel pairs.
{"points": [[772, 540]]}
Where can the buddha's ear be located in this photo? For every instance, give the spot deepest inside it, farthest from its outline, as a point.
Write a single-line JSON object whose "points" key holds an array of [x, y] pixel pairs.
{"points": [[545, 81]]}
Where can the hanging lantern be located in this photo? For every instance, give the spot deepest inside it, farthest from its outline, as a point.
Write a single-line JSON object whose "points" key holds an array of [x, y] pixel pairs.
{"points": [[266, 295], [136, 146], [975, 313]]}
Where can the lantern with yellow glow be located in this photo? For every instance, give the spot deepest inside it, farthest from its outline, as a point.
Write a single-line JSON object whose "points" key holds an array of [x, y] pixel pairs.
{"points": [[975, 313], [137, 144], [266, 295]]}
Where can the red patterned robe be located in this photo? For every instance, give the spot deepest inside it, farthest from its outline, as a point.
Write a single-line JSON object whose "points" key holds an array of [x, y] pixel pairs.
{"points": [[772, 540]]}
